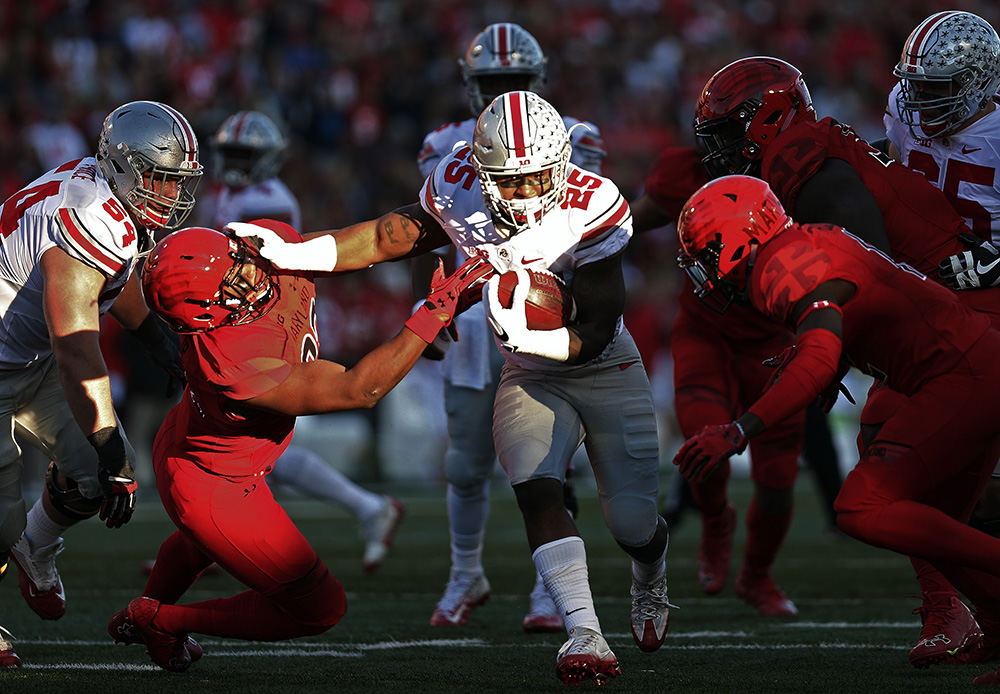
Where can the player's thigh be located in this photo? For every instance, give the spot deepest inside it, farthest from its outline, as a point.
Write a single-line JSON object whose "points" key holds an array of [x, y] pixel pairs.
{"points": [[238, 523], [535, 428], [774, 454], [470, 430], [705, 389], [47, 422]]}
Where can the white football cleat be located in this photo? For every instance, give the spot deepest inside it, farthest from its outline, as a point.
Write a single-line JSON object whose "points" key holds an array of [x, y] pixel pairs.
{"points": [[464, 593], [650, 614], [39, 579], [8, 658], [586, 655], [379, 532], [543, 615]]}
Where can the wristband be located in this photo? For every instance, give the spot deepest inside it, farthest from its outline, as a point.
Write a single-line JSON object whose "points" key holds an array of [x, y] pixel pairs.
{"points": [[551, 344], [425, 324]]}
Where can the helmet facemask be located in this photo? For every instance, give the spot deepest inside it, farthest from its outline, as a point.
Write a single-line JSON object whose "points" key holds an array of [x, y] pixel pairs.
{"points": [[948, 72]]}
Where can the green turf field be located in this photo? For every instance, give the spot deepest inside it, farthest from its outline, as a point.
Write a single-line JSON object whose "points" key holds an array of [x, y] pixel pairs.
{"points": [[852, 635]]}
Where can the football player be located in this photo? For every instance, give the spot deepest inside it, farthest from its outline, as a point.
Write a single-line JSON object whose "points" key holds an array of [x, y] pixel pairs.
{"points": [[503, 57], [942, 121], [921, 473], [248, 151], [249, 347], [69, 243], [511, 196]]}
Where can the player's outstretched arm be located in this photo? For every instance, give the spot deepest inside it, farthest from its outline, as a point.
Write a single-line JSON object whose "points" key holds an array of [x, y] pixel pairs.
{"points": [[404, 232]]}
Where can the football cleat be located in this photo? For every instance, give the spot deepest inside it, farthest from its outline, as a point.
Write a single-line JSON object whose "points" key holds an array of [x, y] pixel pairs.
{"points": [[650, 614], [714, 549], [990, 678], [122, 630], [167, 650], [586, 656], [761, 592], [8, 658], [464, 593], [39, 579], [379, 532], [543, 615], [949, 632]]}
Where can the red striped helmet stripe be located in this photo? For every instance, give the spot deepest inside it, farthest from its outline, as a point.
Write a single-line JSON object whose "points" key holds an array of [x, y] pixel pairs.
{"points": [[916, 43], [190, 142], [502, 42], [516, 119]]}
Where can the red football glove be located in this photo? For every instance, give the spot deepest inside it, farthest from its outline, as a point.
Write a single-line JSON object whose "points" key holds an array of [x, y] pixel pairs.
{"points": [[702, 452], [449, 296]]}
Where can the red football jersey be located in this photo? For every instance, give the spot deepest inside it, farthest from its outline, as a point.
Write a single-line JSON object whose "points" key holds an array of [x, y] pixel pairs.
{"points": [[673, 178], [899, 325], [230, 364], [920, 223]]}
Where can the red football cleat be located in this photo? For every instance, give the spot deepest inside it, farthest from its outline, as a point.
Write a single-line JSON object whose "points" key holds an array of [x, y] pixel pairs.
{"points": [[123, 631], [167, 650], [713, 552], [8, 658], [586, 656], [950, 633], [761, 592]]}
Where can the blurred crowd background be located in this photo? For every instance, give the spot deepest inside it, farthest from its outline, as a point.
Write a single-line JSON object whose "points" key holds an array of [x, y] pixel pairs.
{"points": [[356, 84]]}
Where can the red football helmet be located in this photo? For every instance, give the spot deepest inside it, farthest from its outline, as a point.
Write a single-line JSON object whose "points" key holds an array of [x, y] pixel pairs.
{"points": [[200, 279], [743, 108], [720, 228]]}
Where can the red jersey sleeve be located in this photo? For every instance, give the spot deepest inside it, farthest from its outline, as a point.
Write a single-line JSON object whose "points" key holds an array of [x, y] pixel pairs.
{"points": [[674, 177]]}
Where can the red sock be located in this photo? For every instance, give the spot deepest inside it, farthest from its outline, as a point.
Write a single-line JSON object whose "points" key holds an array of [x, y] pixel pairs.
{"points": [[178, 564], [765, 535], [929, 578]]}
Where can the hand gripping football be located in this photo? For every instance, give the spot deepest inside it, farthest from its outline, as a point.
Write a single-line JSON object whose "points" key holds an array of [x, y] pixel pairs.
{"points": [[549, 305]]}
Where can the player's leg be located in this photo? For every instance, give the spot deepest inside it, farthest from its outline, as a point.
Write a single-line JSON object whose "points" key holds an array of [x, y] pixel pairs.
{"points": [[379, 515], [536, 431]]}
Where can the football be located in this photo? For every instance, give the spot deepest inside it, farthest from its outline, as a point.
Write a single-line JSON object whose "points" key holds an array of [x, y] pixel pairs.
{"points": [[549, 304]]}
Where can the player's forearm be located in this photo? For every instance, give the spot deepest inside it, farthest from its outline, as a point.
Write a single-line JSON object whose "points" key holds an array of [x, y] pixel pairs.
{"points": [[85, 381], [130, 308]]}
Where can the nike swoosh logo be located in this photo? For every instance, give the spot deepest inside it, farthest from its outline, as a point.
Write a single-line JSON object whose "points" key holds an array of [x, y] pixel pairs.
{"points": [[983, 269], [500, 332], [569, 612], [627, 364], [969, 150], [529, 261]]}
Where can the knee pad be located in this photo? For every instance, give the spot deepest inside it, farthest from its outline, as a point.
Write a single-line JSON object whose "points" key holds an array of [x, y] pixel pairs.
{"points": [[316, 601], [632, 521], [67, 499], [12, 521]]}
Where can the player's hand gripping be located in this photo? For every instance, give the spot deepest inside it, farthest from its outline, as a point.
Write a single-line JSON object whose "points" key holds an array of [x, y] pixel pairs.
{"points": [[116, 476], [511, 324], [315, 255], [449, 296], [713, 444], [972, 269]]}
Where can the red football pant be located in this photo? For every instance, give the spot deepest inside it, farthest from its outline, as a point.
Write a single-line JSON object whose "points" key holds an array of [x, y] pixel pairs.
{"points": [[237, 523]]}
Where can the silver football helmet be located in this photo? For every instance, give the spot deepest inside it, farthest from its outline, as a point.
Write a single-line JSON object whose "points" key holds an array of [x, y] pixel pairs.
{"points": [[948, 72], [501, 58], [520, 133], [248, 148], [149, 154]]}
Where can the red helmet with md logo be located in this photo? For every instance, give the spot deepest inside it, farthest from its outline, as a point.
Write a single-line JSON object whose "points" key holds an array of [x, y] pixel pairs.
{"points": [[200, 279], [720, 228], [743, 108]]}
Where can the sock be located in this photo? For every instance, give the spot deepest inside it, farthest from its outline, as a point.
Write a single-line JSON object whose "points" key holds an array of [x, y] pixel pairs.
{"points": [[563, 566], [765, 535], [468, 508], [710, 495], [645, 574], [178, 564], [306, 472], [40, 530]]}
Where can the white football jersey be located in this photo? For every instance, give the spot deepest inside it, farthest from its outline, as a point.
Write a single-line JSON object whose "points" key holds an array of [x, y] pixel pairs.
{"points": [[593, 222], [965, 165], [270, 199], [71, 207], [588, 147]]}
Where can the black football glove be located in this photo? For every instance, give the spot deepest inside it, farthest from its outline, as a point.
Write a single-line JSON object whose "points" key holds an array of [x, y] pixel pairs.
{"points": [[116, 476], [978, 267], [163, 347]]}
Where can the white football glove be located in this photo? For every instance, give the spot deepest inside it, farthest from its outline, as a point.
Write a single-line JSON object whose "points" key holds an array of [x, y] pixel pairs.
{"points": [[511, 326], [315, 255]]}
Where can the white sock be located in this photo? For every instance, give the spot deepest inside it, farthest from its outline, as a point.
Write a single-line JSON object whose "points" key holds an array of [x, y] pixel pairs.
{"points": [[645, 574], [40, 530], [306, 472], [467, 512], [562, 564]]}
